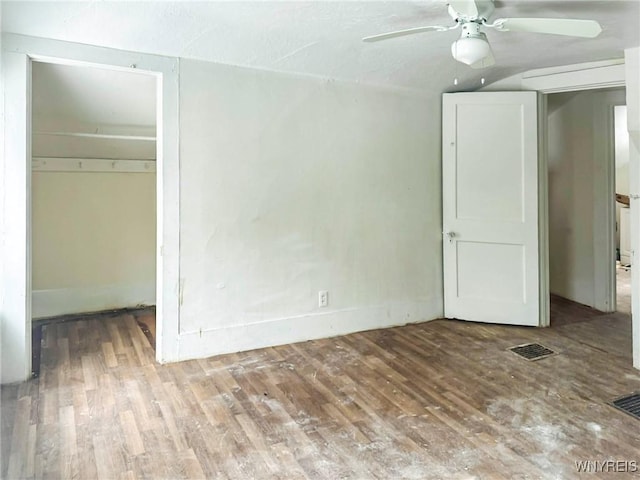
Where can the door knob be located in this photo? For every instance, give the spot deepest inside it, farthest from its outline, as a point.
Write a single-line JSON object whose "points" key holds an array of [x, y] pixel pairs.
{"points": [[450, 236]]}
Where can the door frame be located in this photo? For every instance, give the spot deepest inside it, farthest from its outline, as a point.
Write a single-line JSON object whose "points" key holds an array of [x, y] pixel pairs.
{"points": [[18, 53], [604, 269], [574, 78], [605, 212]]}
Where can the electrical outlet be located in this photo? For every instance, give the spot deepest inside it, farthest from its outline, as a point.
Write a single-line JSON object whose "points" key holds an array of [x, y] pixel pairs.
{"points": [[323, 298]]}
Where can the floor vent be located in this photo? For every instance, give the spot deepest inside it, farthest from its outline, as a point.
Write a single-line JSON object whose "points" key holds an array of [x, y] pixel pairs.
{"points": [[532, 351], [629, 404]]}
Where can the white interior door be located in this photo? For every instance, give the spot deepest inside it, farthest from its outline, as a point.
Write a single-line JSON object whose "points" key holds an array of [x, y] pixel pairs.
{"points": [[491, 208]]}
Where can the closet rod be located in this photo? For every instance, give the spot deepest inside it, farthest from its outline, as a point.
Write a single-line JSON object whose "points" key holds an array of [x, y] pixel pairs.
{"points": [[53, 164], [98, 135]]}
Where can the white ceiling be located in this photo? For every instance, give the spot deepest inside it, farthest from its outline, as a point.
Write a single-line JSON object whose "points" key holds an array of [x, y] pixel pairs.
{"points": [[324, 37]]}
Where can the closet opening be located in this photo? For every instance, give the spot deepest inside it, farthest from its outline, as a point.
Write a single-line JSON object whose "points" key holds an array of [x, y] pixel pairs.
{"points": [[94, 217]]}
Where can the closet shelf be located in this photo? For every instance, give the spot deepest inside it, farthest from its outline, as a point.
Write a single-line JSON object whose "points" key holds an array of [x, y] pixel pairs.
{"points": [[142, 138]]}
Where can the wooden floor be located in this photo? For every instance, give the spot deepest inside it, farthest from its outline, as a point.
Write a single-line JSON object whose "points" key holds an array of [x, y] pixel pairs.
{"points": [[438, 400]]}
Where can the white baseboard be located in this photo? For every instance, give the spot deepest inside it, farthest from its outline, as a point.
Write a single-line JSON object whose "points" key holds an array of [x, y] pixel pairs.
{"points": [[49, 303], [298, 329]]}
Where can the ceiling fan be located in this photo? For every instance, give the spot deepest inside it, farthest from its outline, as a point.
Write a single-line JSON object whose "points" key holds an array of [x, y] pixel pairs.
{"points": [[473, 49]]}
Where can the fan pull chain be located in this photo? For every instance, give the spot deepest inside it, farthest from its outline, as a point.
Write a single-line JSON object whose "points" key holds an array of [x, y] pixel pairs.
{"points": [[455, 80]]}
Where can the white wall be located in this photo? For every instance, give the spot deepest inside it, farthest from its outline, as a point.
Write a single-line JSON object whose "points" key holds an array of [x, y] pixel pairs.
{"points": [[291, 185], [288, 185], [621, 149], [578, 156], [93, 241]]}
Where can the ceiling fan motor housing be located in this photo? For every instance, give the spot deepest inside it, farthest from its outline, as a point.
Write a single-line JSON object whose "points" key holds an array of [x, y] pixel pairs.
{"points": [[484, 9], [471, 29]]}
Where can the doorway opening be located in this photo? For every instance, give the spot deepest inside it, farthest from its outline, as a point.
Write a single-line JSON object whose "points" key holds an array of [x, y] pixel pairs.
{"points": [[586, 279], [94, 217]]}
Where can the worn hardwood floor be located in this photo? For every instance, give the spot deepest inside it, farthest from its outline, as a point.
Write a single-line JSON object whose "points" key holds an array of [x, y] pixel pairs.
{"points": [[438, 400]]}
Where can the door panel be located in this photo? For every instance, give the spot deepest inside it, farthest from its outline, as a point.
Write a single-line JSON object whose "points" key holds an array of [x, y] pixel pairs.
{"points": [[490, 207], [491, 271], [498, 161]]}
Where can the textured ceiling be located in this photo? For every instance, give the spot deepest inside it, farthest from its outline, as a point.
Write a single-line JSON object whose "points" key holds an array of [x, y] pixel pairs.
{"points": [[324, 37]]}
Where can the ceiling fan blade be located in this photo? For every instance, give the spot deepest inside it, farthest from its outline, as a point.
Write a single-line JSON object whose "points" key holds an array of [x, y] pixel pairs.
{"points": [[409, 31], [466, 8], [556, 26], [487, 61]]}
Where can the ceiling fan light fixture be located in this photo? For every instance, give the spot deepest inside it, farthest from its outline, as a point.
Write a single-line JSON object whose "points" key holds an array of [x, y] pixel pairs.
{"points": [[471, 16], [470, 50]]}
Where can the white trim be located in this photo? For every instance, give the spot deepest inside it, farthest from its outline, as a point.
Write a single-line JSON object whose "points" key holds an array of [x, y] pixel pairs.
{"points": [[15, 288], [632, 61], [572, 78], [604, 241], [168, 196], [634, 189], [62, 301], [576, 67], [543, 214], [566, 78], [282, 331], [54, 164], [15, 284]]}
